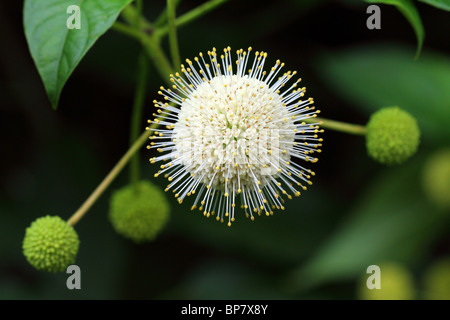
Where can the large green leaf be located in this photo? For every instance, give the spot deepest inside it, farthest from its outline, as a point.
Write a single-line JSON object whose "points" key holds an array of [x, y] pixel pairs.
{"points": [[408, 9], [441, 4], [57, 50], [372, 77], [391, 222]]}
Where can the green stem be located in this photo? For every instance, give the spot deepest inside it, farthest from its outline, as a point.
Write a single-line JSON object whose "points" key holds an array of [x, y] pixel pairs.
{"points": [[109, 178], [136, 116], [195, 13], [150, 38], [339, 126], [162, 18], [173, 41], [127, 30], [139, 9], [133, 16], [159, 58], [152, 48]]}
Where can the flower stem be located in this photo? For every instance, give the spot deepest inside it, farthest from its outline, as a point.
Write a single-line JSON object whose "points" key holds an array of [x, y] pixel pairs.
{"points": [[150, 37], [108, 179], [136, 116], [191, 15], [151, 46], [159, 58], [133, 16], [339, 126], [162, 18], [127, 30], [138, 15], [142, 30], [173, 41]]}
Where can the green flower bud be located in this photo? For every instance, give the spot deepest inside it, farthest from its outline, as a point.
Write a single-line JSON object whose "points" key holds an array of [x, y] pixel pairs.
{"points": [[139, 212], [50, 244], [436, 284], [436, 178], [392, 136], [396, 283]]}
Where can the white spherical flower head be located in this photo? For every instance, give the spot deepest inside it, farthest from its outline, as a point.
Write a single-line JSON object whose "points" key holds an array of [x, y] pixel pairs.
{"points": [[236, 134]]}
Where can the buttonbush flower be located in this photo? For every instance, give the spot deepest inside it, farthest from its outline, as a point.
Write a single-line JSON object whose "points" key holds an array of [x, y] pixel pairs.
{"points": [[139, 212], [50, 244], [231, 130], [392, 136]]}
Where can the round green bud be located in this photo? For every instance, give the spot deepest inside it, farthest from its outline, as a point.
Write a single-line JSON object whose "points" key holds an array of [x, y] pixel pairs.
{"points": [[396, 283], [436, 285], [139, 212], [436, 178], [50, 244], [392, 136]]}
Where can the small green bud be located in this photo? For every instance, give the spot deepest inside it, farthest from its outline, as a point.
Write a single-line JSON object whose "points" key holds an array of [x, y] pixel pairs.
{"points": [[396, 283], [436, 178], [436, 284], [139, 212], [392, 136], [50, 244]]}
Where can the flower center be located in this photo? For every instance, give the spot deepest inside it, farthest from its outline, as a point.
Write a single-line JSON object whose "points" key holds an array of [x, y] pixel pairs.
{"points": [[233, 131]]}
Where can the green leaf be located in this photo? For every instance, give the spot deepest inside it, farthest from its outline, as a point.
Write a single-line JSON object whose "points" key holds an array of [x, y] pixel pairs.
{"points": [[408, 9], [376, 76], [57, 50], [440, 4], [392, 221]]}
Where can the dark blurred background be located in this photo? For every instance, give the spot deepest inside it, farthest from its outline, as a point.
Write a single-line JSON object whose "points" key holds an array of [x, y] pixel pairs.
{"points": [[355, 214]]}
